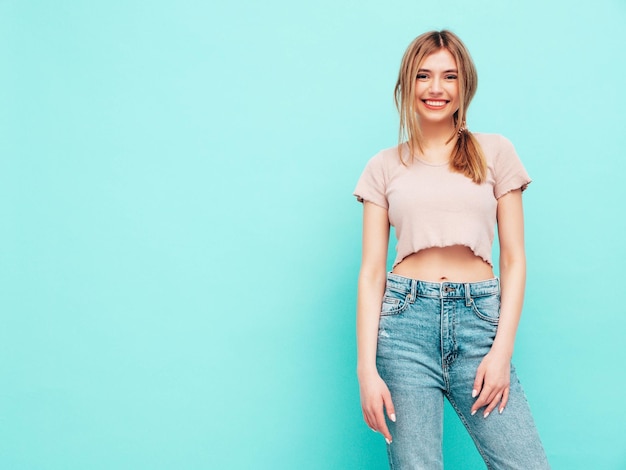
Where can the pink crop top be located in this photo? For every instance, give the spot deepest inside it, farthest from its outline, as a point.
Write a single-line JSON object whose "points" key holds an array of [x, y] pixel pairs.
{"points": [[431, 206]]}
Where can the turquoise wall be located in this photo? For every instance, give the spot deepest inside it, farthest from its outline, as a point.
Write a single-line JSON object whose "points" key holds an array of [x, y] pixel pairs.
{"points": [[179, 245]]}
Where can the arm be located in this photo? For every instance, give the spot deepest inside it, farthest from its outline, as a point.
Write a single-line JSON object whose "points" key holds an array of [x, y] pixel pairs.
{"points": [[493, 375], [371, 288]]}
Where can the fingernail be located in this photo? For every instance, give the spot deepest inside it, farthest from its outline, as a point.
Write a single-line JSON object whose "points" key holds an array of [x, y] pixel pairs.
{"points": [[388, 441], [373, 429], [486, 414], [500, 410], [473, 412], [474, 393], [392, 417]]}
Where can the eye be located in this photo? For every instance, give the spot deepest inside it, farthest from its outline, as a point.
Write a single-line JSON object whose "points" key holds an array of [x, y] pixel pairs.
{"points": [[451, 76], [422, 76]]}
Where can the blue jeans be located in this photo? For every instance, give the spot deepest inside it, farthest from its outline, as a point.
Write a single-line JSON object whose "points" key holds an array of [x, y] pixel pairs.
{"points": [[431, 339]]}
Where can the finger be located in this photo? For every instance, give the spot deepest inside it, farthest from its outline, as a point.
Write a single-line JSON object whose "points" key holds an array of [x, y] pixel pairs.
{"points": [[369, 420], [505, 399], [478, 382], [483, 399], [391, 412], [381, 425], [492, 404]]}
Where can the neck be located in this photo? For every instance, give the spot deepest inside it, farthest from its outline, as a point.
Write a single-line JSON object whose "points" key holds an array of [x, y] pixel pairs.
{"points": [[436, 135], [436, 143]]}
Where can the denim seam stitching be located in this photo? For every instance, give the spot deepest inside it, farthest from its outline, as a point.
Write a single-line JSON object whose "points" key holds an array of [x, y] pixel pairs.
{"points": [[465, 423], [482, 316], [391, 465], [444, 365], [402, 306]]}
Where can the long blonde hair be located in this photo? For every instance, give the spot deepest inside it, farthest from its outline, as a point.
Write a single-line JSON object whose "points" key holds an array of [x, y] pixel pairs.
{"points": [[467, 156]]}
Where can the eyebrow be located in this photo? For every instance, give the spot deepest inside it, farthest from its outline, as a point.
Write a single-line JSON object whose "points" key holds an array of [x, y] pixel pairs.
{"points": [[445, 71]]}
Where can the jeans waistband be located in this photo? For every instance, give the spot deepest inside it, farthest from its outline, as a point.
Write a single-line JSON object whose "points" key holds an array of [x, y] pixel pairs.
{"points": [[457, 290]]}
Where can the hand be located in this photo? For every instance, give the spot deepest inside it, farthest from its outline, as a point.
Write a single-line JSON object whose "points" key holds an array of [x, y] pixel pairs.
{"points": [[375, 395], [492, 383]]}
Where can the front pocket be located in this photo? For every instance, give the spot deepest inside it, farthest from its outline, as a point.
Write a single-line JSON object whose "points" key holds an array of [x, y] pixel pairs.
{"points": [[487, 308], [393, 303]]}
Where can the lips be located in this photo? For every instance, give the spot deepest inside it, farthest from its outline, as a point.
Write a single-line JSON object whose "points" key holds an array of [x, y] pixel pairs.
{"points": [[435, 104]]}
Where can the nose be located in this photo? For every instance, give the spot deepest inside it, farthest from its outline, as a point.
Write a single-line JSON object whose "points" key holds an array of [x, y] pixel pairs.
{"points": [[435, 85]]}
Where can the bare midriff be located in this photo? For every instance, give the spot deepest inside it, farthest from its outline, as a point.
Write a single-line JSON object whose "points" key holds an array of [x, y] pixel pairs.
{"points": [[455, 263]]}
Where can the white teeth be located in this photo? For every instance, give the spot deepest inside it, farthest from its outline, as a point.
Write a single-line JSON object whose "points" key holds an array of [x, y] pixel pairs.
{"points": [[434, 103]]}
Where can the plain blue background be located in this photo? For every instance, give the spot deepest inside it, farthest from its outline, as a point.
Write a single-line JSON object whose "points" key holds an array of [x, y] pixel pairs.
{"points": [[179, 245]]}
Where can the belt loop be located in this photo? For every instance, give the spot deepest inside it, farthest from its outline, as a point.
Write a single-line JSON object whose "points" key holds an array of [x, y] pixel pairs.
{"points": [[468, 297], [414, 290]]}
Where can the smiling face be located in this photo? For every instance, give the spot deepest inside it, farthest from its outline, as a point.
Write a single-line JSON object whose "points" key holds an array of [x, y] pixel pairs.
{"points": [[437, 89]]}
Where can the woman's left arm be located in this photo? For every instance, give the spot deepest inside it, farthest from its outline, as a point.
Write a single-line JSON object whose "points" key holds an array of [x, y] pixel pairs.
{"points": [[493, 375]]}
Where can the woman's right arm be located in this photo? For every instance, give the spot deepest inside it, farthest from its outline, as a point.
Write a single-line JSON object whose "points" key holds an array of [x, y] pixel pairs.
{"points": [[371, 288]]}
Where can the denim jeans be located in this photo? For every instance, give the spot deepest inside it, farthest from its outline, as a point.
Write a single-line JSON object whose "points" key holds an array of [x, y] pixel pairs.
{"points": [[431, 339]]}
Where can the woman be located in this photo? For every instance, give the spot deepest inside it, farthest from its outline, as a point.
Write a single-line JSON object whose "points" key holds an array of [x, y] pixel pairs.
{"points": [[447, 325]]}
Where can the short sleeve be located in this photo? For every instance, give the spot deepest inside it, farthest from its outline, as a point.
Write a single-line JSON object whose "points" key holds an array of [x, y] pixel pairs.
{"points": [[371, 186], [510, 173]]}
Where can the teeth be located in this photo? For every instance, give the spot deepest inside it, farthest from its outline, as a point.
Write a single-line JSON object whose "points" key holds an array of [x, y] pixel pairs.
{"points": [[435, 103]]}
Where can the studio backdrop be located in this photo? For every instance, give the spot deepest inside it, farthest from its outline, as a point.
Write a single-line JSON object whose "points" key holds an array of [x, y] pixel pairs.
{"points": [[179, 243]]}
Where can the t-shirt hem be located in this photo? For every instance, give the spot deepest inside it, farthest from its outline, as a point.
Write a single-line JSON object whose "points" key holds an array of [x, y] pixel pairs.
{"points": [[521, 183], [363, 199], [486, 260]]}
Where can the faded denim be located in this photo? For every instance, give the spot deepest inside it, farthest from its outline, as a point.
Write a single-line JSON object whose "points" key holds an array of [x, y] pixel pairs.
{"points": [[431, 339]]}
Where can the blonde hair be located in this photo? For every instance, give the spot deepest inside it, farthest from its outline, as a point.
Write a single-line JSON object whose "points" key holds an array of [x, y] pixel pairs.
{"points": [[467, 157]]}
